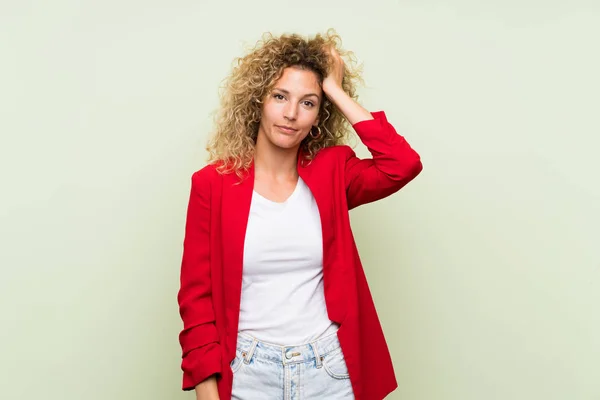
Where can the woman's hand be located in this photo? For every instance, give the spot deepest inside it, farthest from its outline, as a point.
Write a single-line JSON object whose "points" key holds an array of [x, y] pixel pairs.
{"points": [[335, 74], [332, 86]]}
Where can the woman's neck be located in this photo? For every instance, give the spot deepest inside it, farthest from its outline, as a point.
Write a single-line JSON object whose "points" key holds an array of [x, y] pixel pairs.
{"points": [[275, 163]]}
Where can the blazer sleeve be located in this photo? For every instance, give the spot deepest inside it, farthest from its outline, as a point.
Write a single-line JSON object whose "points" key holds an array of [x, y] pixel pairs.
{"points": [[201, 355], [393, 164]]}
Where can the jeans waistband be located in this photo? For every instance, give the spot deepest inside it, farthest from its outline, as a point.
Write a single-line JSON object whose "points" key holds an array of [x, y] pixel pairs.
{"points": [[249, 347]]}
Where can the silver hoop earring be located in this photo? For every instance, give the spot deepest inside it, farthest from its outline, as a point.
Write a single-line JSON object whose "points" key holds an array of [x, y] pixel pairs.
{"points": [[318, 134]]}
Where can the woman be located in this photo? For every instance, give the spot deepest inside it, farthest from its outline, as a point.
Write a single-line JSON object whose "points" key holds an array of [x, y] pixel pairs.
{"points": [[273, 297]]}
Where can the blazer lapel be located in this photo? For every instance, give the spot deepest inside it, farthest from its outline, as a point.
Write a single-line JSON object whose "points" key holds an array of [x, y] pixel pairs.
{"points": [[236, 200], [323, 187]]}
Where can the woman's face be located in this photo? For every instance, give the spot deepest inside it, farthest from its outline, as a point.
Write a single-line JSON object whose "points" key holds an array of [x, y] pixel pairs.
{"points": [[293, 103]]}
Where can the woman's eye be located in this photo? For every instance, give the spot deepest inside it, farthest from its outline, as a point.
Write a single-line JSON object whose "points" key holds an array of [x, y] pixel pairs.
{"points": [[308, 103], [278, 96]]}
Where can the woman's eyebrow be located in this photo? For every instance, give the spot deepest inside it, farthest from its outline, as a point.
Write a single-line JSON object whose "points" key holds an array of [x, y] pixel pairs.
{"points": [[306, 95]]}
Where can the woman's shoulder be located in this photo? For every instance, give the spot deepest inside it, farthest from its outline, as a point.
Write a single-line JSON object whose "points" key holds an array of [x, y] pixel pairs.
{"points": [[206, 175], [337, 153], [209, 171], [217, 172]]}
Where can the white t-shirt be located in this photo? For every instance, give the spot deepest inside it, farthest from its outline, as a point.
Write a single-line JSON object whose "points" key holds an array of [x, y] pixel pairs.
{"points": [[283, 301]]}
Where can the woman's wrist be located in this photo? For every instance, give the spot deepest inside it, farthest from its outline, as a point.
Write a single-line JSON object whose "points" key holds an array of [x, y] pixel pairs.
{"points": [[353, 111], [207, 389]]}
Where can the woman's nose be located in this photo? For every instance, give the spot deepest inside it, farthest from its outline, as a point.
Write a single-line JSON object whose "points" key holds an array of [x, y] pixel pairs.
{"points": [[290, 111]]}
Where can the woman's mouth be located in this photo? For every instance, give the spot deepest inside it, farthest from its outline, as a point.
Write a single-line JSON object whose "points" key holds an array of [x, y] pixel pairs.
{"points": [[286, 129]]}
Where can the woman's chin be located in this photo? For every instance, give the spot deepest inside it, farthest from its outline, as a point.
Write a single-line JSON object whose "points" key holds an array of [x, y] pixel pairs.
{"points": [[286, 143]]}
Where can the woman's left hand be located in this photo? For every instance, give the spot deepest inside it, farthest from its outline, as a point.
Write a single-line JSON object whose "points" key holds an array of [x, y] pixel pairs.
{"points": [[335, 74], [332, 86]]}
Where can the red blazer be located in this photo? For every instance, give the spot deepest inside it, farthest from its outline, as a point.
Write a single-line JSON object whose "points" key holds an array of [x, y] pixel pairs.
{"points": [[211, 269]]}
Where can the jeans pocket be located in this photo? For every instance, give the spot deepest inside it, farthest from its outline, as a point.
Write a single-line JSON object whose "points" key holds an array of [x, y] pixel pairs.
{"points": [[238, 361], [335, 364]]}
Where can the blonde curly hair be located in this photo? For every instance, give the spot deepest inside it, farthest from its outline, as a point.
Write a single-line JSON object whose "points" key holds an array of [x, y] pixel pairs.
{"points": [[251, 80]]}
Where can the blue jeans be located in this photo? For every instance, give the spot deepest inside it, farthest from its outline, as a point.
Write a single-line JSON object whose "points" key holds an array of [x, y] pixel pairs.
{"points": [[315, 370]]}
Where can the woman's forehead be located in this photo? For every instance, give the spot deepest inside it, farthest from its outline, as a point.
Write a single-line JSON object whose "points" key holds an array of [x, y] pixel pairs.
{"points": [[298, 82]]}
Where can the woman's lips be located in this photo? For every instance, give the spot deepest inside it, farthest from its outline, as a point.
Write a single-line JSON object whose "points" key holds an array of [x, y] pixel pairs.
{"points": [[286, 130]]}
